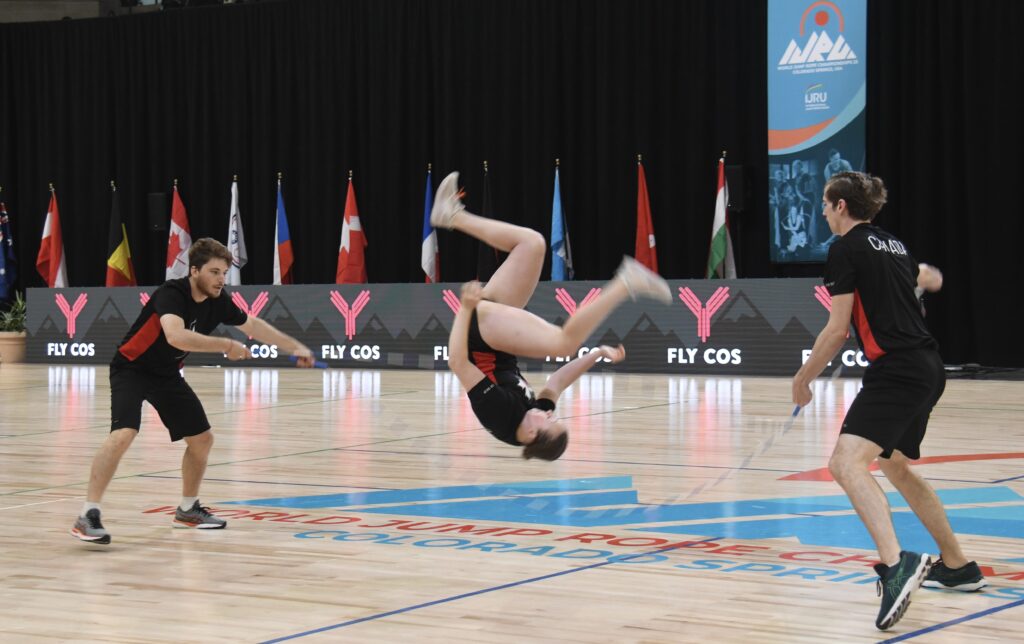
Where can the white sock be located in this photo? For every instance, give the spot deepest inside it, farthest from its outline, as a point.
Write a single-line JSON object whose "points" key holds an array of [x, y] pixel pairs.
{"points": [[187, 502], [89, 505]]}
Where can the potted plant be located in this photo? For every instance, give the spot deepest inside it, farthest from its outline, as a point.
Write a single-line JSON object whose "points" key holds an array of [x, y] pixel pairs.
{"points": [[12, 331]]}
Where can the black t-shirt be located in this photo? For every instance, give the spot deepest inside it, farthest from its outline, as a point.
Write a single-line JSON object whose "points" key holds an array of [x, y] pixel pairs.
{"points": [[145, 345], [501, 400], [880, 272]]}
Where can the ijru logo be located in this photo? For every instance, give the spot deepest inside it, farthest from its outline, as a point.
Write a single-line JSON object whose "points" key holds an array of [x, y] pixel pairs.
{"points": [[71, 312], [703, 311], [819, 48], [815, 98], [350, 312]]}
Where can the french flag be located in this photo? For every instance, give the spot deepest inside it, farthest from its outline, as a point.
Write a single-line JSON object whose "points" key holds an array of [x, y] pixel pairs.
{"points": [[283, 257], [430, 258]]}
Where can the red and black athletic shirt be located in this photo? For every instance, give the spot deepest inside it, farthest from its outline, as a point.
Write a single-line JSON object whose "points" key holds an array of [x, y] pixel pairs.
{"points": [[501, 400], [880, 272], [146, 347]]}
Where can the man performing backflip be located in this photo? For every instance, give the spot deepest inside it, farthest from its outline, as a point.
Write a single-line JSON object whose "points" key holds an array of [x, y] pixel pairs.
{"points": [[871, 277], [492, 328], [175, 321]]}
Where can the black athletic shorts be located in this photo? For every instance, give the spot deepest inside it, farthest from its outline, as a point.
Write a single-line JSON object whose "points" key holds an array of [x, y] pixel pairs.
{"points": [[178, 406], [900, 389]]}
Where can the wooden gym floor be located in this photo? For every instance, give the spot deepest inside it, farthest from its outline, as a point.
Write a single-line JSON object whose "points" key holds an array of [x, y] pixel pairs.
{"points": [[369, 506]]}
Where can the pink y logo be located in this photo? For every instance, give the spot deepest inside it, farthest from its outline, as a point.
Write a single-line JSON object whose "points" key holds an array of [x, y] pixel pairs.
{"points": [[71, 312], [569, 304], [825, 298], [350, 313], [701, 311], [143, 298], [257, 304], [451, 300]]}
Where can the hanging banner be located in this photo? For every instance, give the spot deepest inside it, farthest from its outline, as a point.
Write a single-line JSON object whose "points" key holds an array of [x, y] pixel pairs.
{"points": [[816, 96]]}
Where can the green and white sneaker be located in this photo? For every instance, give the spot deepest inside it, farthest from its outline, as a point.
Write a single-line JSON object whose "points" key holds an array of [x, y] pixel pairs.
{"points": [[90, 529], [966, 579], [197, 517], [897, 585]]}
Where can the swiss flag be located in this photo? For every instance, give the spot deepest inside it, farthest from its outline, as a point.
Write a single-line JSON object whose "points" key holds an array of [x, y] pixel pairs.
{"points": [[50, 261], [645, 253], [351, 256]]}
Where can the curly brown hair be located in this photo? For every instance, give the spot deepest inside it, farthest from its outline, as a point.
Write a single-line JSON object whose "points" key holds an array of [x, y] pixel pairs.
{"points": [[205, 249], [864, 194]]}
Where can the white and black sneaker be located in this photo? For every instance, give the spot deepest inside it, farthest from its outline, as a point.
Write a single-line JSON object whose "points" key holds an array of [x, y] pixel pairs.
{"points": [[447, 202], [90, 529], [640, 281]]}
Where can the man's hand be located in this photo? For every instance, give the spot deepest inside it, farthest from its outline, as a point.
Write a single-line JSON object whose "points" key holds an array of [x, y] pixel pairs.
{"points": [[615, 354], [304, 357], [471, 294], [801, 392], [237, 351]]}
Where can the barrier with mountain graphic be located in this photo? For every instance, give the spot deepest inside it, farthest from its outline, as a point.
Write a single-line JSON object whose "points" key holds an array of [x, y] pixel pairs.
{"points": [[728, 327]]}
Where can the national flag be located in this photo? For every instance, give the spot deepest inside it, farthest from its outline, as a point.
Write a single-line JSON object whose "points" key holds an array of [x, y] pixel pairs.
{"points": [[351, 254], [645, 253], [50, 261], [720, 259], [430, 258], [283, 257], [236, 239], [120, 271], [488, 259], [179, 240], [8, 262], [561, 250]]}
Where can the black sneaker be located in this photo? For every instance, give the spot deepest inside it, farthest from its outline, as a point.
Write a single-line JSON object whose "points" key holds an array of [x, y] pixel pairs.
{"points": [[967, 578], [197, 517], [89, 528], [897, 585]]}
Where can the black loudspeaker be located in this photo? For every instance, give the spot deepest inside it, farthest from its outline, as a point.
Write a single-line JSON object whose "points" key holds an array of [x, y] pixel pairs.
{"points": [[737, 188], [159, 210]]}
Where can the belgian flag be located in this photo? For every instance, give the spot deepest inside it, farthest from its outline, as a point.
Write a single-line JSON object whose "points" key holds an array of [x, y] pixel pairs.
{"points": [[119, 258]]}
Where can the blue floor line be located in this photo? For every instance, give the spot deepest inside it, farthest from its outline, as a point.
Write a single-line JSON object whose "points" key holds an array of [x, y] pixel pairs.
{"points": [[482, 591], [953, 622]]}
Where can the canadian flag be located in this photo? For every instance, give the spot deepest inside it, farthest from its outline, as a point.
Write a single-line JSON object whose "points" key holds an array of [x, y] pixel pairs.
{"points": [[50, 261], [351, 257], [179, 240]]}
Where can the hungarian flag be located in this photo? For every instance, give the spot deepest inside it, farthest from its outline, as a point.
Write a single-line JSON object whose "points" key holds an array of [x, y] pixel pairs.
{"points": [[179, 240], [430, 258], [720, 259], [561, 250], [283, 257], [351, 256], [8, 262], [236, 239], [119, 257], [50, 261], [645, 253]]}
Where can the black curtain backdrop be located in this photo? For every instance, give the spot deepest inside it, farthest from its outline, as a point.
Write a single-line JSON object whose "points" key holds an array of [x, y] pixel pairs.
{"points": [[315, 88]]}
